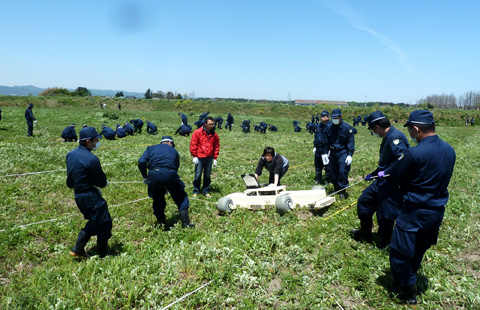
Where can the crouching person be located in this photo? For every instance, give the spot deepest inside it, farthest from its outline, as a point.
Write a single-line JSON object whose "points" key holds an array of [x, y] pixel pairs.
{"points": [[275, 163], [163, 161], [85, 176]]}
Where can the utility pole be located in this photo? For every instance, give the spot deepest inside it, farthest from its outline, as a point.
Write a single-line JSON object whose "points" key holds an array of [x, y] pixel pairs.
{"points": [[365, 100]]}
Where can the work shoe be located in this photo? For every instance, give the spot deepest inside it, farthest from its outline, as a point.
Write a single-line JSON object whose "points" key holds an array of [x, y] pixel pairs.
{"points": [[207, 195], [194, 196], [359, 235], [82, 255], [185, 219], [408, 294]]}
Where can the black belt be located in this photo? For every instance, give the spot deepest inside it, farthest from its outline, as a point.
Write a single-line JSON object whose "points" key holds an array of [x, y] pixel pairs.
{"points": [[336, 148], [158, 169]]}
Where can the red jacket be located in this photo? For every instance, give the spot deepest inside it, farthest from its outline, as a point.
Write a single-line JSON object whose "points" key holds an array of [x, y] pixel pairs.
{"points": [[204, 145]]}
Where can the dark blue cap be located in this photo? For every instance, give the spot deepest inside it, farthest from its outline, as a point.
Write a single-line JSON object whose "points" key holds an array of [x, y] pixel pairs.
{"points": [[420, 117], [336, 113], [72, 125], [324, 113], [167, 139], [89, 133], [372, 118], [30, 105], [103, 126], [84, 125]]}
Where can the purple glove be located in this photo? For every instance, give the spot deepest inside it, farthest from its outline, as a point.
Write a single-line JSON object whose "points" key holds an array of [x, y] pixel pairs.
{"points": [[381, 174], [368, 177]]}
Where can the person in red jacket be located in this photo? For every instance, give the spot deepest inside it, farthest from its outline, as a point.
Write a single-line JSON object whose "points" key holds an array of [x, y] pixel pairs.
{"points": [[204, 147]]}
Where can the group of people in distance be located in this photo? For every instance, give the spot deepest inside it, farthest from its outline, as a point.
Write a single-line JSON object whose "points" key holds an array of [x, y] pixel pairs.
{"points": [[408, 192]]}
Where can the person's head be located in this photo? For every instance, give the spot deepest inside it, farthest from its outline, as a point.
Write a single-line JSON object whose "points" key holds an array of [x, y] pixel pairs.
{"points": [[209, 124], [148, 122], [72, 125], [378, 123], [118, 125], [88, 137], [324, 116], [167, 140], [420, 124], [179, 113], [84, 126], [269, 153], [30, 105], [336, 116]]}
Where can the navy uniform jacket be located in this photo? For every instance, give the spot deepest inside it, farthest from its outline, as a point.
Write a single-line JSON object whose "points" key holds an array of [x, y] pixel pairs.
{"points": [[159, 156], [184, 119], [137, 123], [0, 114], [317, 141], [424, 172], [339, 138], [108, 132], [202, 116], [151, 127], [183, 129], [83, 173], [120, 132], [129, 129], [230, 119], [69, 133], [394, 144], [29, 116], [273, 128]]}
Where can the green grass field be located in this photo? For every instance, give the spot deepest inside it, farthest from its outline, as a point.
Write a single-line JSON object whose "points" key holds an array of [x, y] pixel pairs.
{"points": [[257, 260]]}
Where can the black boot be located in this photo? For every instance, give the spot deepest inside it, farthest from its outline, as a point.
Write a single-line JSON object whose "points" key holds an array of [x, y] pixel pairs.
{"points": [[318, 176], [342, 194], [408, 294], [185, 219], [102, 249], [79, 247], [162, 220], [365, 231]]}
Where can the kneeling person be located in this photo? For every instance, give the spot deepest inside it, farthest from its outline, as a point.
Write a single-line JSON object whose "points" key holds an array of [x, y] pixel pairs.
{"points": [[163, 161], [275, 163]]}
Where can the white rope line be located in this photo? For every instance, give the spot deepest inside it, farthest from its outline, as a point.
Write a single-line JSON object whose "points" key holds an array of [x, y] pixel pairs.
{"points": [[70, 215], [186, 295], [40, 172]]}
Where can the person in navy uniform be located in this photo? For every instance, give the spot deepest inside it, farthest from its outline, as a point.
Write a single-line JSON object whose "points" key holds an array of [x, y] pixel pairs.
{"points": [[246, 126], [163, 161], [317, 119], [184, 118], [296, 128], [338, 139], [137, 125], [272, 128], [203, 116], [108, 133], [184, 130], [229, 122], [129, 128], [84, 126], [311, 127], [275, 163], [263, 127], [320, 149], [199, 123], [472, 120], [381, 196], [120, 131], [69, 134], [0, 114], [364, 120], [86, 177], [218, 122], [30, 119], [467, 122], [423, 174], [151, 128]]}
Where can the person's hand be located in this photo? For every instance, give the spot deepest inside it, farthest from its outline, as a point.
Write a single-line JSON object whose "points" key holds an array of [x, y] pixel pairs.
{"points": [[325, 159], [145, 181], [381, 174], [214, 163], [195, 160], [369, 177], [348, 160], [271, 185], [35, 121], [314, 150]]}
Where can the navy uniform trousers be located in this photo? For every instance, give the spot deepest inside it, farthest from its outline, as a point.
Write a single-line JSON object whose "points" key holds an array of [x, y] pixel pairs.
{"points": [[338, 169], [162, 180], [416, 230]]}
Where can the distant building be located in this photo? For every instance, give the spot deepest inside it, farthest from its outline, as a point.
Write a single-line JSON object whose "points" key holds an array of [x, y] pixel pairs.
{"points": [[341, 104], [130, 97]]}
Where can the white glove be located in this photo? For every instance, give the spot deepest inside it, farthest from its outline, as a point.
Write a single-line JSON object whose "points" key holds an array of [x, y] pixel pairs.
{"points": [[35, 121], [325, 159], [214, 163], [314, 150], [195, 160], [348, 160], [145, 181]]}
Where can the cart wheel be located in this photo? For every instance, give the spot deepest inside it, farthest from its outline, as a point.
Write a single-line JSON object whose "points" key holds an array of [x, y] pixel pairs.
{"points": [[224, 205], [318, 187], [283, 204]]}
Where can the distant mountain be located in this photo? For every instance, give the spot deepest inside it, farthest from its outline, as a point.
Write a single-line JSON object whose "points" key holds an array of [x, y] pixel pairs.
{"points": [[30, 90]]}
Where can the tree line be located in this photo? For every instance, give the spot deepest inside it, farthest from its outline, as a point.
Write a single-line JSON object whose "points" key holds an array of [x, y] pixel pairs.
{"points": [[60, 91]]}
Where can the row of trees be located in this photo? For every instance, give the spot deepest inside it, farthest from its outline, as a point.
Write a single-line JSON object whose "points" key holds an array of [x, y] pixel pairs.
{"points": [[161, 95], [59, 91], [469, 100]]}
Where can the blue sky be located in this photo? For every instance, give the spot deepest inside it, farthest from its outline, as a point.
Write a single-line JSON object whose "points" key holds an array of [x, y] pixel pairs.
{"points": [[392, 51]]}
